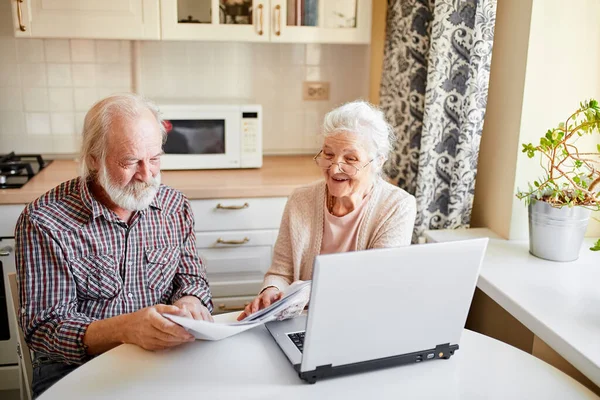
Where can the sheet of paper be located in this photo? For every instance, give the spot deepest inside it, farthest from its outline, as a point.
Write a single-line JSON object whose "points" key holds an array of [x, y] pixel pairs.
{"points": [[225, 325], [211, 330]]}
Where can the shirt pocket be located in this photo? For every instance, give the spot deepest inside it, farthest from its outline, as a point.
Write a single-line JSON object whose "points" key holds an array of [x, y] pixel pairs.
{"points": [[96, 277], [161, 266]]}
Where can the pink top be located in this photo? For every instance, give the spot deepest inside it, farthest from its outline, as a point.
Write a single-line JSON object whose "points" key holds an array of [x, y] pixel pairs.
{"points": [[340, 234]]}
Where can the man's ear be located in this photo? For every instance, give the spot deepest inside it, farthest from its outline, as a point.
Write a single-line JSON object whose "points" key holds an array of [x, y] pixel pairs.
{"points": [[94, 163]]}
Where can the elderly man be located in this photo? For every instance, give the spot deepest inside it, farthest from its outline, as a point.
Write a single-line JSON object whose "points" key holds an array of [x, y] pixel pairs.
{"points": [[101, 257]]}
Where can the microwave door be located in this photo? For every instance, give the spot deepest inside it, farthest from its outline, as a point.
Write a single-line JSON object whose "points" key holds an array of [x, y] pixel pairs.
{"points": [[202, 142]]}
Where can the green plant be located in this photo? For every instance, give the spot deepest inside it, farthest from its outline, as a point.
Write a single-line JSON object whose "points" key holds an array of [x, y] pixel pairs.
{"points": [[571, 177]]}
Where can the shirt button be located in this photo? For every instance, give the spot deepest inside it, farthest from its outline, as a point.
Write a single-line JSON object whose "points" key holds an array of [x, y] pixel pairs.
{"points": [[130, 295], [130, 263], [23, 310]]}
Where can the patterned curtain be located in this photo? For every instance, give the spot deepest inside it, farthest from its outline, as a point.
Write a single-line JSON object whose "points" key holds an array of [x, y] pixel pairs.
{"points": [[434, 92]]}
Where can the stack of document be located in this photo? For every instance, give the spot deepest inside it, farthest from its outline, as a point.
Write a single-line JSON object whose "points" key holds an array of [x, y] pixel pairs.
{"points": [[293, 302]]}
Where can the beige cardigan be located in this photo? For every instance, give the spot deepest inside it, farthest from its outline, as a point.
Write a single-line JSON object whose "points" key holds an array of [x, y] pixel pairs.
{"points": [[388, 222]]}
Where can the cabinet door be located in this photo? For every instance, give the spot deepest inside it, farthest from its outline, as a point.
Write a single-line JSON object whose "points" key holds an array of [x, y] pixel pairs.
{"points": [[236, 261], [216, 20], [96, 19], [321, 21]]}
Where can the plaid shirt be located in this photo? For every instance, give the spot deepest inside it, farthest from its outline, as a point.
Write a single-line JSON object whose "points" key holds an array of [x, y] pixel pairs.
{"points": [[77, 262]]}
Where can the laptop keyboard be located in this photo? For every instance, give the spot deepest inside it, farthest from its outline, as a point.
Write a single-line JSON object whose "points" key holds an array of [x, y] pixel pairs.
{"points": [[298, 339]]}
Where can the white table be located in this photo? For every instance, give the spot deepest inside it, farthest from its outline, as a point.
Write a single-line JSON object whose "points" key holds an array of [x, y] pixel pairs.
{"points": [[559, 302], [251, 366]]}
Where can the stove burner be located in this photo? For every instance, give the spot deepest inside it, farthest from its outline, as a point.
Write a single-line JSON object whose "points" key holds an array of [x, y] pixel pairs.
{"points": [[17, 169]]}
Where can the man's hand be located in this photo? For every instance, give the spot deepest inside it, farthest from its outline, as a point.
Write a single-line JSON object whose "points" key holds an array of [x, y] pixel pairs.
{"points": [[193, 307], [265, 299], [148, 329]]}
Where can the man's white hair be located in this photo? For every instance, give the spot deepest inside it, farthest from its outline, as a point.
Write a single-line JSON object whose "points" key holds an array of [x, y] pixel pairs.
{"points": [[98, 123], [364, 120]]}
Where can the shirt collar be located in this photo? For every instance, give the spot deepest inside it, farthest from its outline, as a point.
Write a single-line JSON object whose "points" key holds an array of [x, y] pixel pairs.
{"points": [[156, 202], [88, 199]]}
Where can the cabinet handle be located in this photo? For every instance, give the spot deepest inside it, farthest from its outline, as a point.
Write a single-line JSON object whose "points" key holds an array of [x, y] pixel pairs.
{"points": [[222, 207], [5, 251], [20, 16], [243, 241], [260, 19], [278, 20], [223, 307]]}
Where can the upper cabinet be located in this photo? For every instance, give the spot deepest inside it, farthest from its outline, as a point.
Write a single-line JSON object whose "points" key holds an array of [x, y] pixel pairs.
{"points": [[284, 21], [218, 20], [97, 19]]}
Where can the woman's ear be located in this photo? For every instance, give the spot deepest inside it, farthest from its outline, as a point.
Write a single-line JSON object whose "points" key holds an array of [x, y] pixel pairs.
{"points": [[380, 161]]}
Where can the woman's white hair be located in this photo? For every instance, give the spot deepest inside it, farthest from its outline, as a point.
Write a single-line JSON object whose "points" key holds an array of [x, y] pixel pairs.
{"points": [[364, 120], [98, 123]]}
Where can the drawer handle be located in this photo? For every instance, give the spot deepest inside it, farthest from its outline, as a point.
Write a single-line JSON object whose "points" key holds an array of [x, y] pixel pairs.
{"points": [[222, 207], [5, 251], [223, 307], [243, 241]]}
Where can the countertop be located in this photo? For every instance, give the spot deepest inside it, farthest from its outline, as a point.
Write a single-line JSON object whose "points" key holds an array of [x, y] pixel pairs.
{"points": [[279, 176], [557, 301]]}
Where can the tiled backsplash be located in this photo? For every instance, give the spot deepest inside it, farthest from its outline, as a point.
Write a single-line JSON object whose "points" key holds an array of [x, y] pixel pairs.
{"points": [[47, 85]]}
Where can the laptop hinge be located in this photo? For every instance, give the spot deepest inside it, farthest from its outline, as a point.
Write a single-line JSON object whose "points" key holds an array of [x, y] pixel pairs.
{"points": [[318, 373], [443, 351]]}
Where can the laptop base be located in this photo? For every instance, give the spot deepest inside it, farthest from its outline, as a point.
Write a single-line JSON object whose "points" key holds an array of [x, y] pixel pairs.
{"points": [[443, 351]]}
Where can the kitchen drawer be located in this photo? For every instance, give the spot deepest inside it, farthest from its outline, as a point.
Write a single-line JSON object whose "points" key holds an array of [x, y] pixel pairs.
{"points": [[236, 269], [238, 214], [9, 214], [229, 304]]}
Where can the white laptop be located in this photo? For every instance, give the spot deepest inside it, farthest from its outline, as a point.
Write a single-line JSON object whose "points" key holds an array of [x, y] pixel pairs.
{"points": [[379, 308]]}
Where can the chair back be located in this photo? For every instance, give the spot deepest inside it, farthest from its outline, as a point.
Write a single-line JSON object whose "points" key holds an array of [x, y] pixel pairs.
{"points": [[22, 348]]}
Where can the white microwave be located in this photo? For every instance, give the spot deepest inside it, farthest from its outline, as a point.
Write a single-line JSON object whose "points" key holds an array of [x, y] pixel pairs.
{"points": [[201, 136]]}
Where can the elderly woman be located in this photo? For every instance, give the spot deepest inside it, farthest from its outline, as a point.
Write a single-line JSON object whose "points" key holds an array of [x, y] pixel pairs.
{"points": [[353, 208]]}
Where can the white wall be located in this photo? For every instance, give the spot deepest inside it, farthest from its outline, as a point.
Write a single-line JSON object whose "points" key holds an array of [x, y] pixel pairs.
{"points": [[269, 74], [531, 90]]}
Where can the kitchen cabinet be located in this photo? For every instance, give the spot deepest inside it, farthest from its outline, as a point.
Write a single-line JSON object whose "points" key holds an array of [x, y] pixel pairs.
{"points": [[94, 19], [235, 239], [282, 21]]}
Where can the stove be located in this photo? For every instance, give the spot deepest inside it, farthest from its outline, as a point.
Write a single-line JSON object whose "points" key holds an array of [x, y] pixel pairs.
{"points": [[17, 169]]}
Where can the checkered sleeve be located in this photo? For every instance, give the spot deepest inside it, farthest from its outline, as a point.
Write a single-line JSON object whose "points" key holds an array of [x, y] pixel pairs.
{"points": [[190, 278], [48, 314]]}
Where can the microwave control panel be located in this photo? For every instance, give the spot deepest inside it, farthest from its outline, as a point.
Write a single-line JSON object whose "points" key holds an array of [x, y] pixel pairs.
{"points": [[250, 132]]}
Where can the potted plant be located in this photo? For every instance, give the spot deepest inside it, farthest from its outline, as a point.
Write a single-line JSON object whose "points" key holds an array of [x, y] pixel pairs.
{"points": [[560, 203]]}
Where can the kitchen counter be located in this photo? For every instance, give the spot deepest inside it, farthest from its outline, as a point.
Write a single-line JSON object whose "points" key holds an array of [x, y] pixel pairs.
{"points": [[279, 176]]}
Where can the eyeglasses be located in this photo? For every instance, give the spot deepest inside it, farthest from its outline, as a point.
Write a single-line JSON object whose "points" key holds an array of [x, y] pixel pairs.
{"points": [[346, 168]]}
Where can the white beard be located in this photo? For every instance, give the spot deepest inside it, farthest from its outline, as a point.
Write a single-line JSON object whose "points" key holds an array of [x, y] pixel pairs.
{"points": [[135, 196]]}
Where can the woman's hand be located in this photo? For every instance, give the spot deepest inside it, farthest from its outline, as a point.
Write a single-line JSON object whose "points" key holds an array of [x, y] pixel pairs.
{"points": [[265, 299], [192, 307]]}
